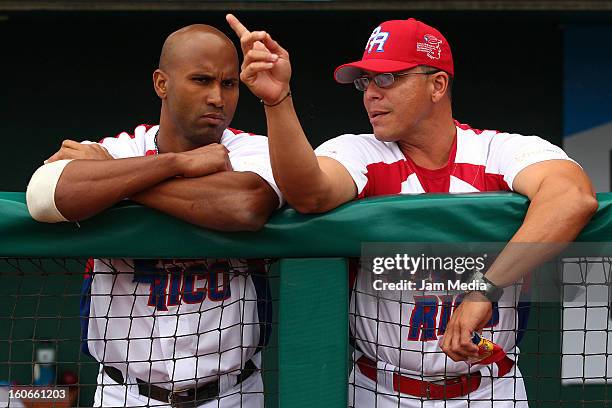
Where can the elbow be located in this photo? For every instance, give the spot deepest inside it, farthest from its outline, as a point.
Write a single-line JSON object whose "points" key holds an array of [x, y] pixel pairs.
{"points": [[590, 205], [585, 203], [253, 223], [252, 218], [308, 207], [255, 209], [301, 200], [313, 204]]}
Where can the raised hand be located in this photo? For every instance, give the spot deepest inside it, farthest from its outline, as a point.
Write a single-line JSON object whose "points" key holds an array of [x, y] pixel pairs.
{"points": [[266, 69]]}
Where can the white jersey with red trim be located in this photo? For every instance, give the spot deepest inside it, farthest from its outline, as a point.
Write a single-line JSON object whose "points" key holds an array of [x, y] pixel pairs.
{"points": [[179, 322], [402, 330], [247, 151]]}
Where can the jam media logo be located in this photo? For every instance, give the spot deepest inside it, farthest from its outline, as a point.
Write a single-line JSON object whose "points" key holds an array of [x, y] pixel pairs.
{"points": [[431, 46], [377, 39]]}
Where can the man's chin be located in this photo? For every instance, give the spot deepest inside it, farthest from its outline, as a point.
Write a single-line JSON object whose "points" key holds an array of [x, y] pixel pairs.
{"points": [[384, 137], [209, 135]]}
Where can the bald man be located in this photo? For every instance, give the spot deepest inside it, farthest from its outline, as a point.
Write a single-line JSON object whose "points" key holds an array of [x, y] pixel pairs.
{"points": [[172, 333]]}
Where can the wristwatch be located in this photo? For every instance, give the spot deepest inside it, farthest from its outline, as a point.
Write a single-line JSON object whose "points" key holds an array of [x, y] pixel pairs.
{"points": [[490, 291]]}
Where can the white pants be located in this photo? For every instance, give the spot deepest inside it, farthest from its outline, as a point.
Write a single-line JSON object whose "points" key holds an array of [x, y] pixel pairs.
{"points": [[247, 394], [504, 392]]}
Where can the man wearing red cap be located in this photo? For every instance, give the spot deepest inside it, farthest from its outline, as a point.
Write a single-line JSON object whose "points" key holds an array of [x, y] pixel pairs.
{"points": [[417, 147]]}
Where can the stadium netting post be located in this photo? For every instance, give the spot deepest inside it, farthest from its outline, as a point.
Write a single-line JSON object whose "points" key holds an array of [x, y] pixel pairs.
{"points": [[306, 361]]}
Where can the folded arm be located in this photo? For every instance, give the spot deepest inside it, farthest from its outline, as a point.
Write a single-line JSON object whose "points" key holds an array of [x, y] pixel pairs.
{"points": [[87, 187], [225, 201], [195, 186]]}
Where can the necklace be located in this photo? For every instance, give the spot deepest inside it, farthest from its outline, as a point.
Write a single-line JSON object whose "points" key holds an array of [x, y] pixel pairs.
{"points": [[155, 142]]}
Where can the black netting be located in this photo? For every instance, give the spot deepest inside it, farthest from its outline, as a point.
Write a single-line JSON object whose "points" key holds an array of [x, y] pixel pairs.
{"points": [[187, 330], [173, 324], [556, 325]]}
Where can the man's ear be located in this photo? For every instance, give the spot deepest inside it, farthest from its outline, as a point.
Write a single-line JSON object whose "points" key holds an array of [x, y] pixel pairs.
{"points": [[160, 82], [440, 82]]}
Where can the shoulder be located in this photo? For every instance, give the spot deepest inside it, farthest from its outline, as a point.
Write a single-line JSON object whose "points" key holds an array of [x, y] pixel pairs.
{"points": [[138, 133], [487, 136], [359, 151], [243, 144], [357, 142], [469, 134], [478, 144], [503, 153], [138, 142], [349, 138], [234, 138]]}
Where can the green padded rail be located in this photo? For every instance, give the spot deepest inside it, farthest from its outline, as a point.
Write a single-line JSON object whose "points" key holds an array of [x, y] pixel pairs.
{"points": [[311, 321], [130, 230]]}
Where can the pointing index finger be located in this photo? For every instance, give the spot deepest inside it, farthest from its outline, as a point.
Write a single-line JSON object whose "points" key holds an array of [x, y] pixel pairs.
{"points": [[236, 25]]}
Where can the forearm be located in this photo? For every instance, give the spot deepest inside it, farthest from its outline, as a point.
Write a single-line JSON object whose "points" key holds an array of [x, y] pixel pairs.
{"points": [[556, 215], [87, 187], [225, 201], [559, 210], [294, 163]]}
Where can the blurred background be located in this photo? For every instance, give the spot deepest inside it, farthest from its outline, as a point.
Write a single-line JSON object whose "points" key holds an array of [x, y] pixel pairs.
{"points": [[83, 69]]}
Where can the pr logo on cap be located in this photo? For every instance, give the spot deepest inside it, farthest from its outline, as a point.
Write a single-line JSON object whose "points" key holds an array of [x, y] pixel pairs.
{"points": [[400, 45], [431, 46], [377, 38]]}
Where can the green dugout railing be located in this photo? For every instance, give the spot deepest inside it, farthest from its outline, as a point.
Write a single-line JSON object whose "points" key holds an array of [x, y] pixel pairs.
{"points": [[313, 324]]}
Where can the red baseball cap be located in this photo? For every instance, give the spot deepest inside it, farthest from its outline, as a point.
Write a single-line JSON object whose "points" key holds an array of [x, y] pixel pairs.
{"points": [[398, 45]]}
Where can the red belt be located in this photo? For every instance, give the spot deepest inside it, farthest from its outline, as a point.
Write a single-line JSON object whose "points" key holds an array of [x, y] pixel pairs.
{"points": [[451, 388]]}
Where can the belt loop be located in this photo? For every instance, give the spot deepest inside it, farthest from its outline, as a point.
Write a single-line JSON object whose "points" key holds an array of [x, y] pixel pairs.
{"points": [[384, 376], [464, 383], [130, 383], [226, 381]]}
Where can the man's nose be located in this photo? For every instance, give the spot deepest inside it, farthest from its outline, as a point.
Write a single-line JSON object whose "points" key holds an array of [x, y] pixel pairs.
{"points": [[215, 95], [372, 91]]}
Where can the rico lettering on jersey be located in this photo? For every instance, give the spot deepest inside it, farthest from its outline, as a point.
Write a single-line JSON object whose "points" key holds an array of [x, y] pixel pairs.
{"points": [[176, 283], [431, 314]]}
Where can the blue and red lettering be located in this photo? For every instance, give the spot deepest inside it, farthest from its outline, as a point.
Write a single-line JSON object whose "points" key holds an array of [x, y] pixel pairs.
{"points": [[172, 285], [423, 318], [425, 313], [447, 310]]}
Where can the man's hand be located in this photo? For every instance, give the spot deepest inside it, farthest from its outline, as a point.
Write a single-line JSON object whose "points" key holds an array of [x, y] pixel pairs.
{"points": [[471, 315], [75, 150], [205, 160], [266, 69]]}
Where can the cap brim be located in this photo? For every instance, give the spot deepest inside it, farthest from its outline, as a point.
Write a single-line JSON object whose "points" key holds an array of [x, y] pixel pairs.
{"points": [[345, 74]]}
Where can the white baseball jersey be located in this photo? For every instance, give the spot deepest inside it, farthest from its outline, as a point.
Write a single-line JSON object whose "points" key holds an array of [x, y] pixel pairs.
{"points": [[185, 322], [401, 330]]}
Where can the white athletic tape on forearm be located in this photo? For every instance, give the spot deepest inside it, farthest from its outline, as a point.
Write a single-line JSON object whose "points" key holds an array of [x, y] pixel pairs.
{"points": [[40, 195]]}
